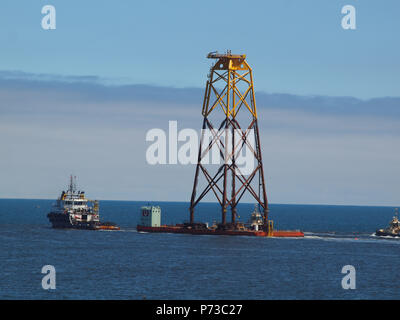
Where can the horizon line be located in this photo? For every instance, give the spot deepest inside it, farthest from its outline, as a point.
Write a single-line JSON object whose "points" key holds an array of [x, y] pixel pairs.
{"points": [[211, 202]]}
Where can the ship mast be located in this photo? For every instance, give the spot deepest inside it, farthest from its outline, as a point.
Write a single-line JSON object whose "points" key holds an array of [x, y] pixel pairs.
{"points": [[72, 184]]}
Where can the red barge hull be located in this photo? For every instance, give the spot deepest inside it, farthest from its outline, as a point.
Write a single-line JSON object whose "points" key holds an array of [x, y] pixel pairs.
{"points": [[180, 229]]}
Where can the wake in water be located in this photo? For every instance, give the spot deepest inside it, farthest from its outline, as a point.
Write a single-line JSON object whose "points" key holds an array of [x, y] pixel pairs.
{"points": [[385, 237], [121, 230], [364, 238]]}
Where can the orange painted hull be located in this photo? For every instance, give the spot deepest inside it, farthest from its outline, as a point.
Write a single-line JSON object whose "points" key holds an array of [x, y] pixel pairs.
{"points": [[107, 228], [179, 229], [287, 234]]}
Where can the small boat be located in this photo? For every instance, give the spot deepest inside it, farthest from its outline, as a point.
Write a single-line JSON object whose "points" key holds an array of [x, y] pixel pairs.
{"points": [[74, 210], [394, 227], [107, 226]]}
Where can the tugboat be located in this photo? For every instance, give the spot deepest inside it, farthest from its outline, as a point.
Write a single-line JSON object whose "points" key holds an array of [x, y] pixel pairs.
{"points": [[256, 219], [394, 227], [74, 210]]}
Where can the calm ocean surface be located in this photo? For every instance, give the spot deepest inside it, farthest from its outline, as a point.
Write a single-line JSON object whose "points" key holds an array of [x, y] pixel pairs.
{"points": [[130, 265]]}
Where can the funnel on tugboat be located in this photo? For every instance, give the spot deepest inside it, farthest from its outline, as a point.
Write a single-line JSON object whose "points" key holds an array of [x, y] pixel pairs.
{"points": [[73, 210]]}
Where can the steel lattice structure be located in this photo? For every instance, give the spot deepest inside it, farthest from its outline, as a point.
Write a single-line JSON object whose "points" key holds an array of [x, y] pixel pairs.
{"points": [[230, 89]]}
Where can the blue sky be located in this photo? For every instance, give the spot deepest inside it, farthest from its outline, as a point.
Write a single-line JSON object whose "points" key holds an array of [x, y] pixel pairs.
{"points": [[296, 47], [80, 99]]}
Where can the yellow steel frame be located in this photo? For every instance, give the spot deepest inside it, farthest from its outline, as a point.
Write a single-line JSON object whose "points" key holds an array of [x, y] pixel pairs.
{"points": [[230, 99]]}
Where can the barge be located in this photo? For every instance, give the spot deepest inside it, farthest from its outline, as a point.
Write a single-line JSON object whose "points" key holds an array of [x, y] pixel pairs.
{"points": [[179, 228], [150, 221]]}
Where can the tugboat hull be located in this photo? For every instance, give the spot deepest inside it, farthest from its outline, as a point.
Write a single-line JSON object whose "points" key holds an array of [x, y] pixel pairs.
{"points": [[383, 233], [62, 221]]}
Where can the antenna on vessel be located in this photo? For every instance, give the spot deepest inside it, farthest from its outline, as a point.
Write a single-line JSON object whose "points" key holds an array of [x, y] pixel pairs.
{"points": [[72, 184]]}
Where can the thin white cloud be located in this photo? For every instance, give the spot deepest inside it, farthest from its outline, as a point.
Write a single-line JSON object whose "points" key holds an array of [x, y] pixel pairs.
{"points": [[312, 153]]}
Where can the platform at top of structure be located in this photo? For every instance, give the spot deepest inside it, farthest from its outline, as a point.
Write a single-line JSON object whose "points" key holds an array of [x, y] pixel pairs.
{"points": [[228, 55]]}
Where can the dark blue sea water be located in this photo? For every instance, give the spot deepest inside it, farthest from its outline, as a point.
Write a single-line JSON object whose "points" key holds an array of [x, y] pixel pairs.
{"points": [[130, 265]]}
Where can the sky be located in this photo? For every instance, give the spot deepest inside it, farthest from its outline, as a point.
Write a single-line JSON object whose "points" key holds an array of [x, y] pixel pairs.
{"points": [[80, 99], [296, 46]]}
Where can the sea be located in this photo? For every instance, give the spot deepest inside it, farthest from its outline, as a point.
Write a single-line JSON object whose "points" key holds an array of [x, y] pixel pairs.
{"points": [[127, 264]]}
